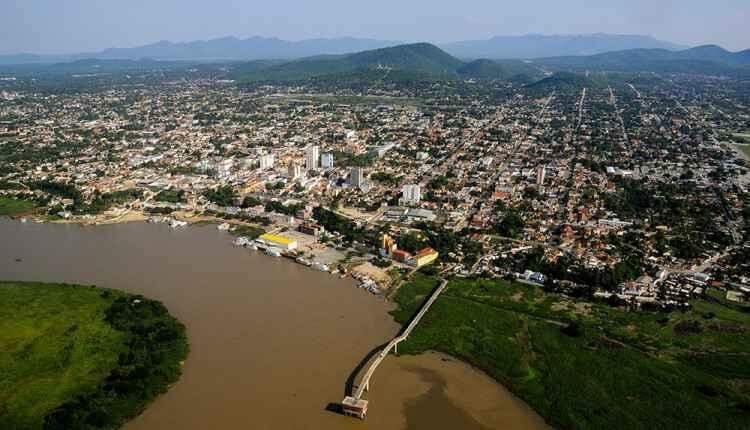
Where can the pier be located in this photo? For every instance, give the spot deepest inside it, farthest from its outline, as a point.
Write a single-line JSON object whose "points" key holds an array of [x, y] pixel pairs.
{"points": [[355, 405]]}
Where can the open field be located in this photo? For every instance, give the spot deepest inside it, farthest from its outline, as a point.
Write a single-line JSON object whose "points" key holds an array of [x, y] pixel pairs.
{"points": [[82, 357], [12, 207], [744, 148], [587, 366]]}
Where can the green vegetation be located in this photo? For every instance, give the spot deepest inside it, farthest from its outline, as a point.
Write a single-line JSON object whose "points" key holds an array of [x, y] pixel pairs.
{"points": [[745, 149], [103, 202], [248, 231], [344, 159], [170, 196], [384, 177], [11, 207], [74, 357], [222, 196], [511, 225], [589, 366], [421, 58], [411, 242]]}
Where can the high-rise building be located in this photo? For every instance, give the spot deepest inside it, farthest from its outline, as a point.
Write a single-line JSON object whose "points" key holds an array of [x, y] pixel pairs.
{"points": [[266, 161], [312, 157], [541, 171], [411, 194], [357, 177], [326, 160], [295, 171]]}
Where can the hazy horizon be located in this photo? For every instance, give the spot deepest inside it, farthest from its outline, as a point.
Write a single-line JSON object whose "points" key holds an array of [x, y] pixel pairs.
{"points": [[74, 26]]}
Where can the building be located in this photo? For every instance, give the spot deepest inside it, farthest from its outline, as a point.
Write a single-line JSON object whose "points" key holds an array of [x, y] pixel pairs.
{"points": [[354, 407], [401, 255], [278, 241], [411, 195], [295, 171], [326, 161], [424, 257], [266, 161], [312, 157], [387, 246], [357, 177], [310, 228], [382, 150], [541, 172]]}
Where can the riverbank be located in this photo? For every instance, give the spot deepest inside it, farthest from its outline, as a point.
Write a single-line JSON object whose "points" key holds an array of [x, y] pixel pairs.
{"points": [[74, 356], [310, 252], [588, 366], [14, 207], [271, 343]]}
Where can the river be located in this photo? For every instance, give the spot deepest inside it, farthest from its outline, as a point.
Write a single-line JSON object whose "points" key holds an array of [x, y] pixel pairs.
{"points": [[272, 342]]}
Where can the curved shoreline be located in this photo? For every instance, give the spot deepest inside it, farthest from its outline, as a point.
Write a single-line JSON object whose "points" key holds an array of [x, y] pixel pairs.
{"points": [[229, 298], [152, 347]]}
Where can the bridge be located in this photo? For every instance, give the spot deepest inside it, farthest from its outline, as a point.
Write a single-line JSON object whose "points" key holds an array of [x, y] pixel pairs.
{"points": [[354, 405]]}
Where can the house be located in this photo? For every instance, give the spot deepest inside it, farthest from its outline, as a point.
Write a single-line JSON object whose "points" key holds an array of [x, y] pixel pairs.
{"points": [[424, 257]]}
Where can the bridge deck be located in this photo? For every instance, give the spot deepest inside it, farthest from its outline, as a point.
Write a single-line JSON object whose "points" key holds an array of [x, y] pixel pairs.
{"points": [[365, 382]]}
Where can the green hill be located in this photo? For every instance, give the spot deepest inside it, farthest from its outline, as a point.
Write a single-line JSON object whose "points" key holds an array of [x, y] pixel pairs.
{"points": [[567, 82], [509, 69], [419, 58]]}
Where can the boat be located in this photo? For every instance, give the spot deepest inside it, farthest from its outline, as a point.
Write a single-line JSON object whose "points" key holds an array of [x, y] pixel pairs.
{"points": [[177, 223], [303, 261], [320, 266], [273, 252], [242, 241], [224, 227]]}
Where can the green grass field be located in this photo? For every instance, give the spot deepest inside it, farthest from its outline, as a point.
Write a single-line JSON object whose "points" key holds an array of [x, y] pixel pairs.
{"points": [[610, 369], [58, 345], [744, 148], [12, 207]]}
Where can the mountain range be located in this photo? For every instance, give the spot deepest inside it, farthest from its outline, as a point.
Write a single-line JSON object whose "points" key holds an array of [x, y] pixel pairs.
{"points": [[424, 61], [260, 48], [707, 59], [430, 61], [540, 46]]}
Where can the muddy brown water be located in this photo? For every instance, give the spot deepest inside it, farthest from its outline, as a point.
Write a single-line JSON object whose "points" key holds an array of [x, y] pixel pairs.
{"points": [[272, 342]]}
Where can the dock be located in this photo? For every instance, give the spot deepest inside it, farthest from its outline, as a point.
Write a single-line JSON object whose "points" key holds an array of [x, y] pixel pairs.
{"points": [[355, 405]]}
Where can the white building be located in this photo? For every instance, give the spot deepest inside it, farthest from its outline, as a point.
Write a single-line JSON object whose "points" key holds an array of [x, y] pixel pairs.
{"points": [[294, 171], [266, 161], [357, 177], [541, 171], [382, 150], [326, 161], [312, 157], [411, 195]]}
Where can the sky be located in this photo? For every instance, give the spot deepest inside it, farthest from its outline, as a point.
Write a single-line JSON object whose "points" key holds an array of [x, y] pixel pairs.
{"points": [[72, 26]]}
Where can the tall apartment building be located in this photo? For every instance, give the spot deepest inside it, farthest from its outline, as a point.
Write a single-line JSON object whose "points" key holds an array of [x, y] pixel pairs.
{"points": [[312, 157], [267, 161], [541, 171], [326, 160], [411, 194], [294, 171], [357, 177]]}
